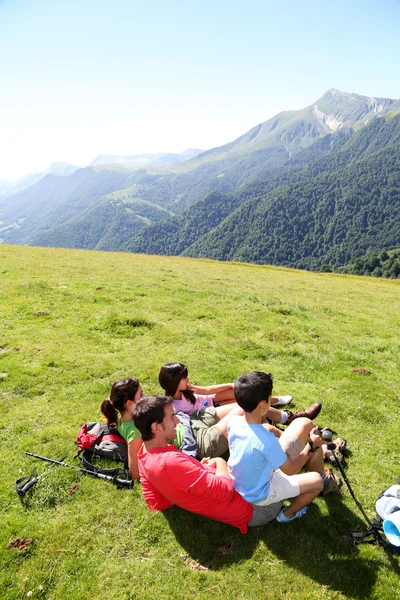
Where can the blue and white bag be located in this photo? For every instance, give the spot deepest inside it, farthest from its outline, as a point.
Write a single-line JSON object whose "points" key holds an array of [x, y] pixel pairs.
{"points": [[388, 509]]}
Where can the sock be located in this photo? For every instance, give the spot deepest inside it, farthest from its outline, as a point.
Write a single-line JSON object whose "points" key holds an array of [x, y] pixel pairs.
{"points": [[284, 417], [324, 477]]}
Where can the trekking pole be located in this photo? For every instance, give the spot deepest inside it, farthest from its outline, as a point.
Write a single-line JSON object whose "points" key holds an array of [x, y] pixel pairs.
{"points": [[122, 483], [24, 484], [327, 436], [359, 537]]}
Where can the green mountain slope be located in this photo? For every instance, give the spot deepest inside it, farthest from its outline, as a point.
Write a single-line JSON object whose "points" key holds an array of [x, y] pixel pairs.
{"points": [[178, 233], [54, 200], [108, 225], [341, 206]]}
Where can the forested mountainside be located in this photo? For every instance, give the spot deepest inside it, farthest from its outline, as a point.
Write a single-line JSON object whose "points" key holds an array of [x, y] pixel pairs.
{"points": [[54, 200], [323, 214]]}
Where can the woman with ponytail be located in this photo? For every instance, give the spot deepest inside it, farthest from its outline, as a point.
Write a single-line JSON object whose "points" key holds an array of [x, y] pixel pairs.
{"points": [[118, 409]]}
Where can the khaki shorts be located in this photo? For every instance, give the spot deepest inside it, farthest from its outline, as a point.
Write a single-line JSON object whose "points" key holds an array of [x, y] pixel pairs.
{"points": [[210, 440], [292, 447], [281, 487]]}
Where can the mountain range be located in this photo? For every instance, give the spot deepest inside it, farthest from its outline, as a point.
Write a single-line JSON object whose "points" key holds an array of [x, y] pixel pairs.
{"points": [[310, 188]]}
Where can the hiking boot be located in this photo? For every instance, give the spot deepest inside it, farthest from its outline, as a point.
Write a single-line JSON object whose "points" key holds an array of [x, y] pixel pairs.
{"points": [[341, 445], [332, 483], [311, 412]]}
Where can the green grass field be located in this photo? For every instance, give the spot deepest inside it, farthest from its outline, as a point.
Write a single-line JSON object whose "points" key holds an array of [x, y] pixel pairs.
{"points": [[72, 322]]}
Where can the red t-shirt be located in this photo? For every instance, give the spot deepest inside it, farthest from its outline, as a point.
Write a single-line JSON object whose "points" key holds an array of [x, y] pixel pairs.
{"points": [[170, 477]]}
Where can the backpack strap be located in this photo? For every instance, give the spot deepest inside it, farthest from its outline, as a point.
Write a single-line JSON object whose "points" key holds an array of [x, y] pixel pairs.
{"points": [[373, 536], [87, 457]]}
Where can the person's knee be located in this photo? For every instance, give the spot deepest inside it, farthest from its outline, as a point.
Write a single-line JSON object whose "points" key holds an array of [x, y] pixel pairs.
{"points": [[310, 482], [301, 427], [317, 482]]}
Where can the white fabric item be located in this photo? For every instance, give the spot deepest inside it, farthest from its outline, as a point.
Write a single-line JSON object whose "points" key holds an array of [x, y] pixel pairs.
{"points": [[283, 401]]}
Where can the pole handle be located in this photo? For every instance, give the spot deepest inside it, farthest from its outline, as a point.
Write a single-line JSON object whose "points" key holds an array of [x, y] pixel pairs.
{"points": [[123, 483], [23, 484], [21, 491]]}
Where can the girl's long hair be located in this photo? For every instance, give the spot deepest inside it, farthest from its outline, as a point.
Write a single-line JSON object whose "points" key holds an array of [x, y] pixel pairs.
{"points": [[122, 390], [169, 378]]}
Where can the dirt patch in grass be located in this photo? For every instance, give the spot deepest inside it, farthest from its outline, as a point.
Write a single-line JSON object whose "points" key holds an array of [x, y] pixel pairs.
{"points": [[20, 543]]}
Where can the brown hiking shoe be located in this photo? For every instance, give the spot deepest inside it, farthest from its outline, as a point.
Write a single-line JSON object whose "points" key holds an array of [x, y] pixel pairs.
{"points": [[311, 412], [332, 483], [341, 445]]}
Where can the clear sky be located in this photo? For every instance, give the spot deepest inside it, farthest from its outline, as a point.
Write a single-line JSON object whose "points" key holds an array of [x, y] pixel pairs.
{"points": [[80, 78]]}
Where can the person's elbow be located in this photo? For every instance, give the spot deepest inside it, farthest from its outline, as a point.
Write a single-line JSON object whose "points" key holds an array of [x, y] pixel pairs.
{"points": [[288, 467], [134, 472]]}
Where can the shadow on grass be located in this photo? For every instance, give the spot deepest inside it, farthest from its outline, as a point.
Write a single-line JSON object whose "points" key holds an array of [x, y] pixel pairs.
{"points": [[320, 547]]}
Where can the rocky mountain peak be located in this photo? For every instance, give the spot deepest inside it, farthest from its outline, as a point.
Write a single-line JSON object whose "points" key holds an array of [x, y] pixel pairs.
{"points": [[337, 109]]}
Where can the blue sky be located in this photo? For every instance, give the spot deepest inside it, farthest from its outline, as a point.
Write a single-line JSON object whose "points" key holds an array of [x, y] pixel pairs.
{"points": [[80, 78]]}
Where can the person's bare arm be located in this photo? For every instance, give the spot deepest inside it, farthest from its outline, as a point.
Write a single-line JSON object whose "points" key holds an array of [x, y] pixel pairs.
{"points": [[211, 389], [133, 449], [293, 465]]}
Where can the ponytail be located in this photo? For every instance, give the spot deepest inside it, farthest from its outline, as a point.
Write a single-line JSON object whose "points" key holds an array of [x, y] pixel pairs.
{"points": [[109, 412], [122, 390]]}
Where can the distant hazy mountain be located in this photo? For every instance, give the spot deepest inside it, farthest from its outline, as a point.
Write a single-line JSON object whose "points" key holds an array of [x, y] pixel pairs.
{"points": [[9, 188], [144, 160]]}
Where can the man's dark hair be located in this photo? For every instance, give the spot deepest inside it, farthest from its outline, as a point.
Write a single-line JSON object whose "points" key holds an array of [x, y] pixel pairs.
{"points": [[251, 388], [149, 410]]}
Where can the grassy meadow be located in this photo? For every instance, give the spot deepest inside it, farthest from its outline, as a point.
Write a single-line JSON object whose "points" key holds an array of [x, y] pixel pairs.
{"points": [[72, 322]]}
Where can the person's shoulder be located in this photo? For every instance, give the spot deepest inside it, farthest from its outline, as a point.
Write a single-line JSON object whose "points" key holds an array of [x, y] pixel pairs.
{"points": [[128, 430], [237, 422]]}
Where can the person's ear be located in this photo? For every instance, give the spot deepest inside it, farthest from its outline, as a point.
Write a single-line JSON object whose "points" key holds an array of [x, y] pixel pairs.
{"points": [[154, 428]]}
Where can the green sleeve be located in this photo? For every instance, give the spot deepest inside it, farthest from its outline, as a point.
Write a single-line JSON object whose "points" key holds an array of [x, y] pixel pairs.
{"points": [[179, 436], [128, 431]]}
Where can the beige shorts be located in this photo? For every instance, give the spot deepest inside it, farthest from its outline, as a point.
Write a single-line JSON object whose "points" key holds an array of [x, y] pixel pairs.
{"points": [[281, 487]]}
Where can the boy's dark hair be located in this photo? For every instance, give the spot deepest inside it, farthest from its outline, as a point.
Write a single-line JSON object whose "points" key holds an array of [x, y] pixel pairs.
{"points": [[149, 410], [169, 378], [251, 388]]}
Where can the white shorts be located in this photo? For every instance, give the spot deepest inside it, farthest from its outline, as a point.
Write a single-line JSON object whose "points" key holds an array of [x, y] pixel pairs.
{"points": [[282, 487]]}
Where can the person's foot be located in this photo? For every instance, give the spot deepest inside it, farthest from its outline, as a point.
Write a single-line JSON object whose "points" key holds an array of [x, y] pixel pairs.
{"points": [[281, 518], [311, 412], [282, 401], [332, 483], [341, 445]]}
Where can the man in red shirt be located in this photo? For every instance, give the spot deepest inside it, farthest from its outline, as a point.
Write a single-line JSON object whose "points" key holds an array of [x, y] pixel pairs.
{"points": [[170, 477]]}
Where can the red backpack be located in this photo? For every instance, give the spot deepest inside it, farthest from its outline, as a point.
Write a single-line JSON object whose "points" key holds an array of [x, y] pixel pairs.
{"points": [[97, 440]]}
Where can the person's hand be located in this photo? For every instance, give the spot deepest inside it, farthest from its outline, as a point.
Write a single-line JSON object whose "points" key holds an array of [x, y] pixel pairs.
{"points": [[204, 461], [212, 462], [317, 440], [196, 389]]}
